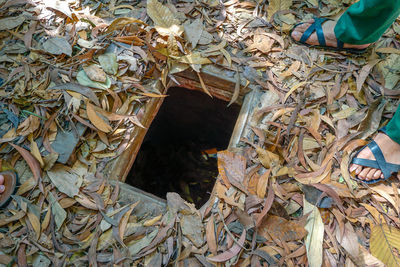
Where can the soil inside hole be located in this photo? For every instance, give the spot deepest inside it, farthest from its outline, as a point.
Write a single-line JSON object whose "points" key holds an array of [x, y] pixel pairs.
{"points": [[172, 157]]}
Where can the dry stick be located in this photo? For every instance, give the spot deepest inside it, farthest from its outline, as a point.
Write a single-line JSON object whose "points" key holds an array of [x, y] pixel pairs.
{"points": [[42, 249], [53, 235], [293, 117], [228, 231], [300, 151], [21, 255]]}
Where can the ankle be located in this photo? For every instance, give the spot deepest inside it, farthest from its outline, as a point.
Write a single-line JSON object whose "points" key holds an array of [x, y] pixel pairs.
{"points": [[387, 143]]}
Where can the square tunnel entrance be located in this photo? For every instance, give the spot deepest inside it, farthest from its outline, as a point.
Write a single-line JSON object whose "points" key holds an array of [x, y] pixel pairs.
{"points": [[178, 153]]}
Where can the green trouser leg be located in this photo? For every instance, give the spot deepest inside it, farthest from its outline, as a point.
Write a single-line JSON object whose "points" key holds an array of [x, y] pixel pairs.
{"points": [[393, 127], [365, 21]]}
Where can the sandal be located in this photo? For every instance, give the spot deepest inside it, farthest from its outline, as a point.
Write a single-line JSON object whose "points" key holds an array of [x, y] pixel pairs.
{"points": [[387, 169], [317, 27], [10, 183]]}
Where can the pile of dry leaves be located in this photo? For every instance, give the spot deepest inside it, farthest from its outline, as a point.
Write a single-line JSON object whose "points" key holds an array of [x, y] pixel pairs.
{"points": [[75, 78]]}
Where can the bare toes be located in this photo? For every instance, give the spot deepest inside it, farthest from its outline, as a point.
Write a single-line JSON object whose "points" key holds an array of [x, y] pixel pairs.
{"points": [[296, 35], [1, 179], [353, 167], [358, 170], [377, 174], [300, 29], [363, 174], [371, 174]]}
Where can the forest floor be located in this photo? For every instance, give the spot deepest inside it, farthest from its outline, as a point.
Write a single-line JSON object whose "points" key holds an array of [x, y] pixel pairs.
{"points": [[75, 79]]}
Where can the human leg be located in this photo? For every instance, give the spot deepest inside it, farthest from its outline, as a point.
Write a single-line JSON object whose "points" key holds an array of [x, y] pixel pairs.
{"points": [[365, 21], [393, 127], [361, 24], [389, 143]]}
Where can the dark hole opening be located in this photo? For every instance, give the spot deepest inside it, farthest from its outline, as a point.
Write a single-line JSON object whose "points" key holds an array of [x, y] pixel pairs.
{"points": [[176, 154]]}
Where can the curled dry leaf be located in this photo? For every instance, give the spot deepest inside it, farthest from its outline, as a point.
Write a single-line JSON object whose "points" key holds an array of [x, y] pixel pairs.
{"points": [[95, 73], [97, 121], [29, 125], [119, 23], [32, 162], [84, 80], [230, 253]]}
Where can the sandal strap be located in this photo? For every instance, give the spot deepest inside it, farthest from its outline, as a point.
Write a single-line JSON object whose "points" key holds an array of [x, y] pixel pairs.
{"points": [[317, 27], [319, 31], [366, 163], [340, 44], [393, 167]]}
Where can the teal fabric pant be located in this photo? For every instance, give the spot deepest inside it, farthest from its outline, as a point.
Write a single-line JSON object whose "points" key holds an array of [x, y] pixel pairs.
{"points": [[365, 21], [393, 127]]}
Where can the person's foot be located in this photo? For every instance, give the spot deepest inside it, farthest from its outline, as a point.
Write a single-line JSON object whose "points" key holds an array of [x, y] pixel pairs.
{"points": [[390, 150], [329, 33], [2, 187]]}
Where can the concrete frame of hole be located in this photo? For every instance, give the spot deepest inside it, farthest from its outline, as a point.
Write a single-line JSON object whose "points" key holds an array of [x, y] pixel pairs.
{"points": [[221, 84]]}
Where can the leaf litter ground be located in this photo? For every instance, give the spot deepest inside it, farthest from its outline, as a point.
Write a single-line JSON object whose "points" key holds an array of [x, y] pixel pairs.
{"points": [[77, 75]]}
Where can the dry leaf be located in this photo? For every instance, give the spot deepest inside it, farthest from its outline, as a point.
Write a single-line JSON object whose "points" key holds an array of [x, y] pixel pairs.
{"points": [[65, 180], [315, 236], [109, 63], [35, 150], [384, 239], [152, 221], [28, 126], [267, 158], [192, 228], [278, 5], [281, 229], [164, 20], [230, 253], [294, 88], [32, 162], [57, 46], [194, 58], [58, 212], [84, 80], [119, 23], [193, 32], [364, 73], [210, 236], [95, 73], [96, 119]]}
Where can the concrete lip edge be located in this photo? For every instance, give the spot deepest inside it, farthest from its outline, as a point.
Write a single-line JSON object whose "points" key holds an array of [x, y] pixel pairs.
{"points": [[130, 194]]}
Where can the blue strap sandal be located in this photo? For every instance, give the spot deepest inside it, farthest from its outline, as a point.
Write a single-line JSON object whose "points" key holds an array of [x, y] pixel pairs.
{"points": [[387, 169], [317, 28]]}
